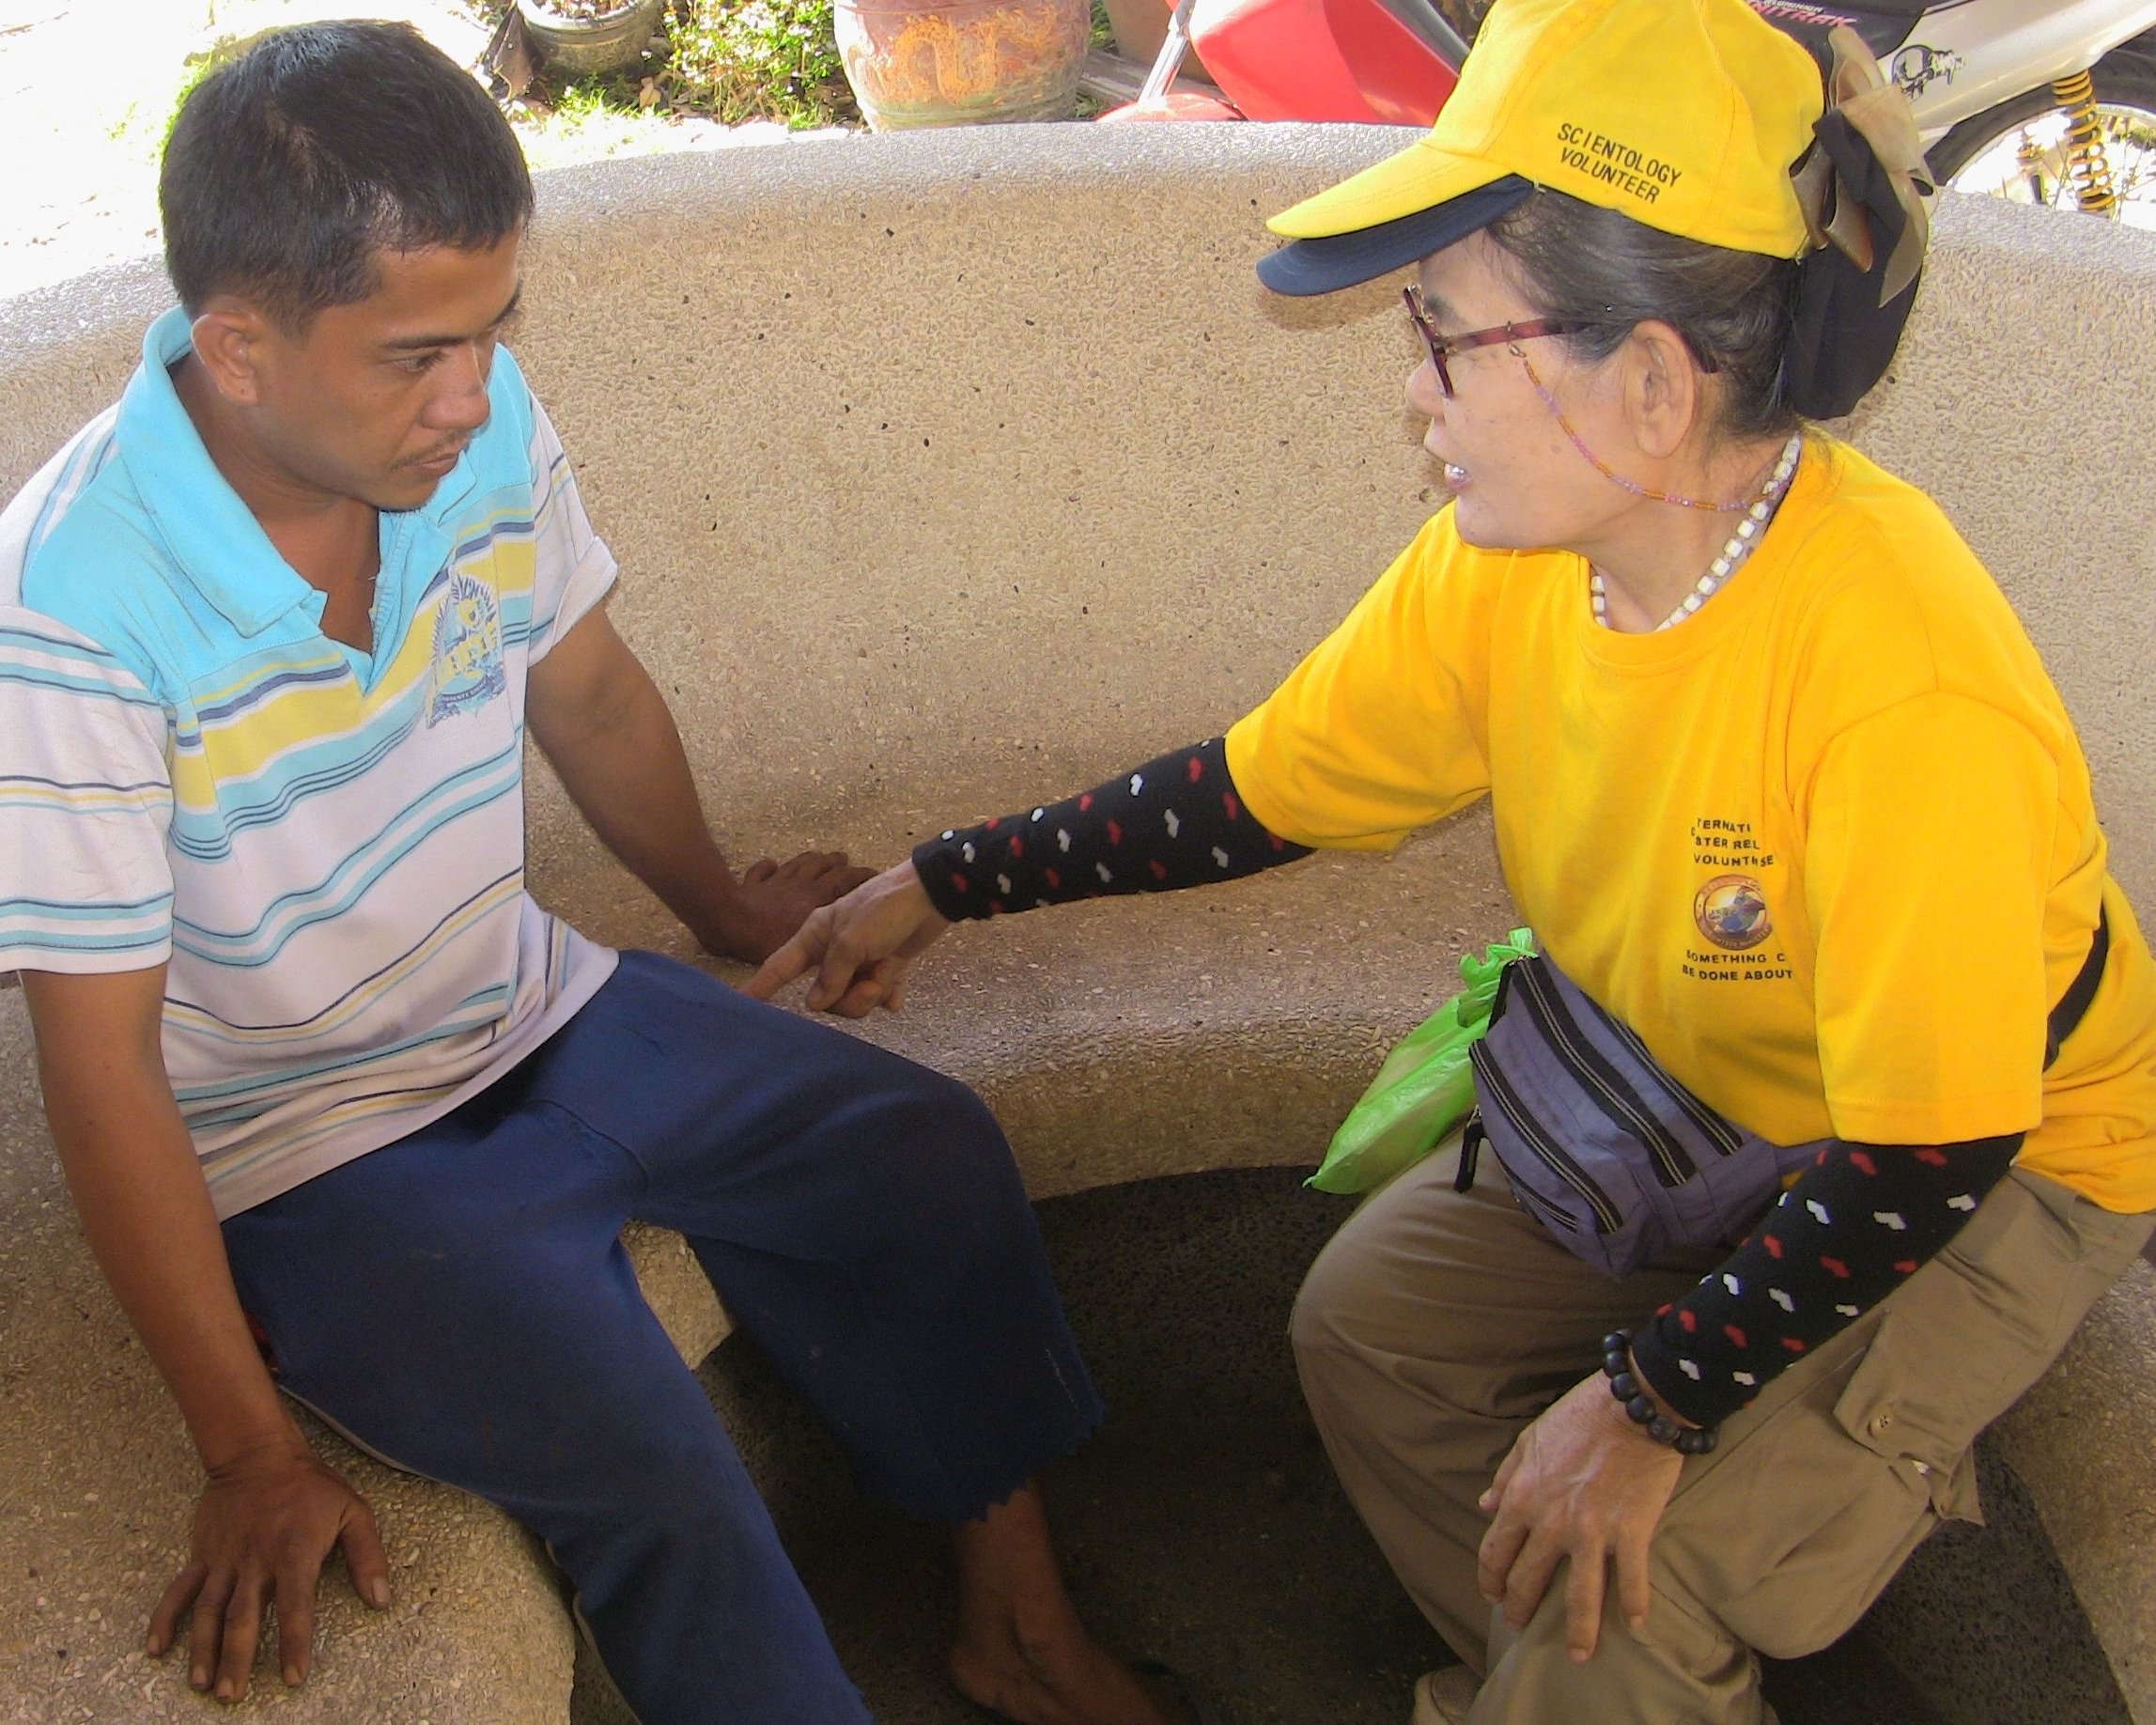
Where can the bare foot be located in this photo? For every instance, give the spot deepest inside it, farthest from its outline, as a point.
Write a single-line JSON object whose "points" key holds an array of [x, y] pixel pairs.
{"points": [[1022, 1651], [1069, 1681]]}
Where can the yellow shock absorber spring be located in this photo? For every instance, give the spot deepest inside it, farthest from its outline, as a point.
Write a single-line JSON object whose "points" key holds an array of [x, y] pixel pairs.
{"points": [[2085, 162]]}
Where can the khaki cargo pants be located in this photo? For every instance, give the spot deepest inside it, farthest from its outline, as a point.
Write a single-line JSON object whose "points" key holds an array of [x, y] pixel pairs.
{"points": [[1436, 1325]]}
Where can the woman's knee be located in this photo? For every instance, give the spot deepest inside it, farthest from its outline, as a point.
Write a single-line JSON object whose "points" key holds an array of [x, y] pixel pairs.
{"points": [[1333, 1315], [1377, 1322], [951, 1115]]}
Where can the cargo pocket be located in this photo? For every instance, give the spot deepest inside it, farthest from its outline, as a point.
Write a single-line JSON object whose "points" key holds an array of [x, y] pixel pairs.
{"points": [[1829, 1494], [1916, 1422], [1827, 1500]]}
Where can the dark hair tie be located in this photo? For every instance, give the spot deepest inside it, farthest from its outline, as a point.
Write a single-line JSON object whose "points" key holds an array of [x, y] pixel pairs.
{"points": [[1861, 186]]}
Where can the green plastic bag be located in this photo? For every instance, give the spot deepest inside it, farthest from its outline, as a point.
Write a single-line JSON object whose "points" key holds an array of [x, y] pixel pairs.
{"points": [[1425, 1087]]}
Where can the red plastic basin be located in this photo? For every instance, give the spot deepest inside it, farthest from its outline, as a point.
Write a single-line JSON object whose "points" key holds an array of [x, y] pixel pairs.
{"points": [[1320, 60]]}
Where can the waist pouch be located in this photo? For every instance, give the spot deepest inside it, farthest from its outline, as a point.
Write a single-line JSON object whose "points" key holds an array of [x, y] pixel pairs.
{"points": [[1609, 1151]]}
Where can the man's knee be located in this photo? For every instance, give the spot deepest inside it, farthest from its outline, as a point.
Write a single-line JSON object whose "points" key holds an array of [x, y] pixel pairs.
{"points": [[1369, 1332], [650, 1484], [937, 1122], [921, 1149]]}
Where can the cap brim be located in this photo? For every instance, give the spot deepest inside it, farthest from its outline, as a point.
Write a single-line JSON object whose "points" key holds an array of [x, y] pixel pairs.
{"points": [[1332, 261]]}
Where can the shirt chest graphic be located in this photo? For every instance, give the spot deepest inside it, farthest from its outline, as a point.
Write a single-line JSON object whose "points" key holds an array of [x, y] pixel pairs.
{"points": [[1734, 877], [467, 669]]}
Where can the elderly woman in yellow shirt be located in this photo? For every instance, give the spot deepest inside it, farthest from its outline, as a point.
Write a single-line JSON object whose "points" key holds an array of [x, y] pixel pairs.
{"points": [[1803, 829]]}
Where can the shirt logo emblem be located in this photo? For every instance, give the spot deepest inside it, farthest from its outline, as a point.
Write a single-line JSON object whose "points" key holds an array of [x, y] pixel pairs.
{"points": [[467, 667], [1731, 912]]}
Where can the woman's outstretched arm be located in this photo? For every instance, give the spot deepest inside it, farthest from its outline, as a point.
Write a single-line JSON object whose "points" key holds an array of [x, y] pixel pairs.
{"points": [[1176, 822]]}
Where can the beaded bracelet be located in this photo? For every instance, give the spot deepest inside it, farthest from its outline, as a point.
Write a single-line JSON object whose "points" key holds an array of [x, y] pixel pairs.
{"points": [[1640, 1407]]}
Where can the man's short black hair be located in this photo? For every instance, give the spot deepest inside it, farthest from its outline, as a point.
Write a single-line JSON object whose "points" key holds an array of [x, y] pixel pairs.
{"points": [[291, 166]]}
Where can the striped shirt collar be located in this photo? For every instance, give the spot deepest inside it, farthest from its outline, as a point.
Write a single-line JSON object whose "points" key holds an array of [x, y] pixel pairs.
{"points": [[211, 536]]}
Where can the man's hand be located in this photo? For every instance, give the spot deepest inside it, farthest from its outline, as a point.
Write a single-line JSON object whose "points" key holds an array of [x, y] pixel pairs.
{"points": [[263, 1525], [269, 1512], [774, 899], [860, 948], [1582, 1483]]}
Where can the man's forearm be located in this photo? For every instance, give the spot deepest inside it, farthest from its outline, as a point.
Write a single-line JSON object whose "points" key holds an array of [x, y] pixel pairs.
{"points": [[603, 723], [623, 765], [631, 777], [146, 1211]]}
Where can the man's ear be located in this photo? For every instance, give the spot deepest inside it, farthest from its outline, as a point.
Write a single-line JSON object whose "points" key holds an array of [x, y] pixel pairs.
{"points": [[1663, 396], [231, 341]]}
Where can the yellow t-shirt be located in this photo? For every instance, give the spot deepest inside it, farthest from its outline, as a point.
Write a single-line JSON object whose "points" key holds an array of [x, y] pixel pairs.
{"points": [[1828, 847]]}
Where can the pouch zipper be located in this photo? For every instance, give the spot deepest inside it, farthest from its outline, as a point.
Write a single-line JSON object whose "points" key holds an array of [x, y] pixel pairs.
{"points": [[1725, 1136], [1545, 1147], [1541, 1208], [1627, 1112]]}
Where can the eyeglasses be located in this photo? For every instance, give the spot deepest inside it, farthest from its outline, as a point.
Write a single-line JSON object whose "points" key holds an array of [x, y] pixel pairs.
{"points": [[1443, 347]]}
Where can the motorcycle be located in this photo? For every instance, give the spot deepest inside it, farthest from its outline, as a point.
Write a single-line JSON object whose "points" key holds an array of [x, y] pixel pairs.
{"points": [[2021, 100]]}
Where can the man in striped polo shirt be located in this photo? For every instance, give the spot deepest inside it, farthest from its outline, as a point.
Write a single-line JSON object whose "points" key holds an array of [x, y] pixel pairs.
{"points": [[273, 631]]}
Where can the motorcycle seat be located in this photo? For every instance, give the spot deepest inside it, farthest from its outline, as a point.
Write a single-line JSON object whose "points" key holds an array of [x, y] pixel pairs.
{"points": [[1884, 25]]}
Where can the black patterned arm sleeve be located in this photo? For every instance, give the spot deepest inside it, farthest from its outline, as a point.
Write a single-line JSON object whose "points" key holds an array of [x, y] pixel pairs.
{"points": [[1857, 1224], [1174, 822]]}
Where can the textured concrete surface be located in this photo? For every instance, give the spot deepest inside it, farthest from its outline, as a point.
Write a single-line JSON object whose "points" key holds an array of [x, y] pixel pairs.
{"points": [[97, 1487], [98, 1482], [676, 1290], [2086, 1437], [971, 466]]}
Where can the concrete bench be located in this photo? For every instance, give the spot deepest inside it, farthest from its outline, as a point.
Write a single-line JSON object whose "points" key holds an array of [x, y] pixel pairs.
{"points": [[952, 469]]}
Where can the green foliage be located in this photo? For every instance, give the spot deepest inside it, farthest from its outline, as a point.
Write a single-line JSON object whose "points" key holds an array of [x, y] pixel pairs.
{"points": [[751, 59], [197, 69], [591, 121], [142, 127]]}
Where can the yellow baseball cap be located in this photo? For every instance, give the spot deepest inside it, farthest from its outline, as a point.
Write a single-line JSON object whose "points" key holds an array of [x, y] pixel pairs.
{"points": [[1685, 115]]}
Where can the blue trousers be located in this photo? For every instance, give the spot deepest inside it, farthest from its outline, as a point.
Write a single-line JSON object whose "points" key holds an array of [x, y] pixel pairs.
{"points": [[461, 1303]]}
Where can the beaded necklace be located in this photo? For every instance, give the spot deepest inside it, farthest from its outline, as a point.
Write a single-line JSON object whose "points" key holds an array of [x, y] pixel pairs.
{"points": [[1734, 551]]}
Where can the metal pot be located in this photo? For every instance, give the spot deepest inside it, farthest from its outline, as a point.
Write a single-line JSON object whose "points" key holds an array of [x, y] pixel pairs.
{"points": [[583, 45]]}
